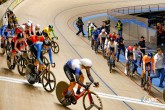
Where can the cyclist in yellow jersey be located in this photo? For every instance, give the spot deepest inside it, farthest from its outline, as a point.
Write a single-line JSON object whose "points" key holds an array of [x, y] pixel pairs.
{"points": [[46, 32]]}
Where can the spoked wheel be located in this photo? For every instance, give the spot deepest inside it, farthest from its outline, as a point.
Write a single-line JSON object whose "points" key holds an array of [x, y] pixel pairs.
{"points": [[55, 47], [8, 48], [91, 101], [48, 81], [46, 61], [60, 88], [21, 66], [164, 95]]}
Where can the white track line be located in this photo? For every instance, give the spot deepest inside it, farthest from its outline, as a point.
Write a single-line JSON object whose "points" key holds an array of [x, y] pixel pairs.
{"points": [[103, 95]]}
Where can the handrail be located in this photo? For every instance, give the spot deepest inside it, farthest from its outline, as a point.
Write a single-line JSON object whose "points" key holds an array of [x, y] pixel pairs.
{"points": [[148, 7]]}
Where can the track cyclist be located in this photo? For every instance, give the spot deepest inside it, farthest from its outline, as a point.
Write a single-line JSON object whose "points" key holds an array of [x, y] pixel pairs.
{"points": [[18, 43], [148, 61], [37, 49], [130, 53], [112, 47], [46, 32], [5, 32], [74, 67]]}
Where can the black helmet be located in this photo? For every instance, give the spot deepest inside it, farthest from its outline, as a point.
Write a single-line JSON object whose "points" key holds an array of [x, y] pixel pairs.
{"points": [[20, 35], [47, 43], [112, 39], [39, 33], [50, 26]]}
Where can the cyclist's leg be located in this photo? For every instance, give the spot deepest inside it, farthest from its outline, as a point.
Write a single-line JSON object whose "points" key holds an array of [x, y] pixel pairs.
{"points": [[79, 86], [126, 67], [162, 76], [69, 74], [118, 54]]}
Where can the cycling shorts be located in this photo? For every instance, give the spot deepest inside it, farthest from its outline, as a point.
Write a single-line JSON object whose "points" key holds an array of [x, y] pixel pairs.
{"points": [[34, 52], [19, 46]]}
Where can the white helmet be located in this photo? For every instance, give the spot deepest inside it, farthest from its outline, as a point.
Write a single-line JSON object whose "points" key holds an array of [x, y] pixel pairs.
{"points": [[37, 26], [86, 62], [103, 30], [28, 24], [29, 21]]}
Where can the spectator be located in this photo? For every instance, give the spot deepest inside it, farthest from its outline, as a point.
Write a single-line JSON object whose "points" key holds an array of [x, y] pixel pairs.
{"points": [[142, 45], [104, 26], [80, 24], [159, 68], [159, 33], [108, 26], [121, 46], [119, 26], [88, 27]]}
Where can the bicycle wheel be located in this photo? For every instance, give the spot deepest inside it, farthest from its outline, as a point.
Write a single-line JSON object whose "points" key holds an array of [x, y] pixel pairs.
{"points": [[46, 61], [48, 81], [91, 101], [31, 78], [164, 95], [60, 88], [55, 47], [8, 48], [8, 61], [21, 66]]}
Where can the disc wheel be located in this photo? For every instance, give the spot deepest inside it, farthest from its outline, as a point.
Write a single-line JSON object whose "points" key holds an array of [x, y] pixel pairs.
{"points": [[55, 47], [48, 81], [91, 101], [60, 88], [21, 66]]}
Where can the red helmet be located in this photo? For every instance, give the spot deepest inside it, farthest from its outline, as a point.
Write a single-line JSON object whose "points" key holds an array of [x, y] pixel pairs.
{"points": [[130, 48]]}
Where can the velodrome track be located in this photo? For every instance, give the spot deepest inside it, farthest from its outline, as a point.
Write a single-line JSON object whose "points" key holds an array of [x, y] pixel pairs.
{"points": [[17, 95]]}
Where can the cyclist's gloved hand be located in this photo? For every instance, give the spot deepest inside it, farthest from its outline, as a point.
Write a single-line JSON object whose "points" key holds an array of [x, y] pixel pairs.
{"points": [[96, 84], [86, 87], [53, 65]]}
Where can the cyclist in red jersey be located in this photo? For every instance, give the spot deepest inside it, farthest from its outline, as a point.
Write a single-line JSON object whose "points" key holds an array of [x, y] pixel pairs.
{"points": [[18, 43]]}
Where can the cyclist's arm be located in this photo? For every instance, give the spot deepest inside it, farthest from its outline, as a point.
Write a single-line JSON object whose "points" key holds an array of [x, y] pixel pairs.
{"points": [[26, 45], [77, 74], [15, 46], [153, 63], [89, 76], [3, 30], [50, 55], [54, 33], [144, 64], [38, 48], [115, 48]]}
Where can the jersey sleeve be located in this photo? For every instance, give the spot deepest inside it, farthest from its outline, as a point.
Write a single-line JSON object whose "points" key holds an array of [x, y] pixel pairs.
{"points": [[50, 55], [38, 48], [77, 71]]}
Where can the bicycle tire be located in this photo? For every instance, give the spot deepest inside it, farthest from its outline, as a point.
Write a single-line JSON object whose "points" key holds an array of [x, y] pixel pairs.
{"points": [[49, 81], [21, 64], [164, 95], [28, 72], [55, 47], [60, 88], [46, 61], [93, 104]]}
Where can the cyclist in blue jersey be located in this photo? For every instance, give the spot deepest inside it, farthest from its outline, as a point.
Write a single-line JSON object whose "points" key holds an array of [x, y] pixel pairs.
{"points": [[37, 49], [74, 67], [5, 32]]}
